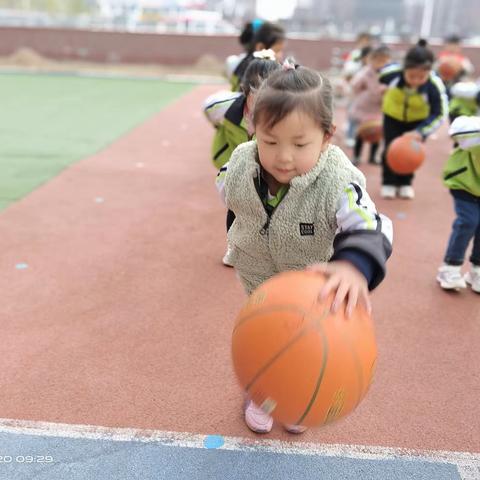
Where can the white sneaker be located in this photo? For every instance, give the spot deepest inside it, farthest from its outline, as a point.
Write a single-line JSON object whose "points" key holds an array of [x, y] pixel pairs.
{"points": [[450, 277], [406, 191], [473, 278], [256, 419], [388, 191], [226, 260]]}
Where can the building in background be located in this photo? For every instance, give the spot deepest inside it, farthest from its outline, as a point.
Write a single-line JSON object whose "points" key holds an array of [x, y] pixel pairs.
{"points": [[391, 19]]}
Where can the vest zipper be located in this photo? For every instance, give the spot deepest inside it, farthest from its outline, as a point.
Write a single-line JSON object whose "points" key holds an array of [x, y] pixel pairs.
{"points": [[264, 230], [405, 105]]}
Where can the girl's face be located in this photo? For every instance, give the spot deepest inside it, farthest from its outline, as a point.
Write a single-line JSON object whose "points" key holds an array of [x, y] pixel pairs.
{"points": [[416, 77], [292, 147], [378, 62], [247, 113]]}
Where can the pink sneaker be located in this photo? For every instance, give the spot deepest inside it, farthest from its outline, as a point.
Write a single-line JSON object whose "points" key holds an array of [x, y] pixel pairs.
{"points": [[295, 428], [256, 419]]}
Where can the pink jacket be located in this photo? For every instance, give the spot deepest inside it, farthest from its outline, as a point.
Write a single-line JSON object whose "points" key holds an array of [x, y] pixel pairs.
{"points": [[367, 95]]}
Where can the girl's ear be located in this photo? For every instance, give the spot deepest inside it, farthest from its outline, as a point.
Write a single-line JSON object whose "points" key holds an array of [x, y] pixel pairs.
{"points": [[328, 136]]}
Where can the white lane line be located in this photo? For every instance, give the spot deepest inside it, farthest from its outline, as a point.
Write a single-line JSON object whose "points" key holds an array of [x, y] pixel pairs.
{"points": [[468, 464]]}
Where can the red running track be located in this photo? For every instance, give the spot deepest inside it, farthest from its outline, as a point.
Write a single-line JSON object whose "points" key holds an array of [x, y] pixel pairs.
{"points": [[124, 314]]}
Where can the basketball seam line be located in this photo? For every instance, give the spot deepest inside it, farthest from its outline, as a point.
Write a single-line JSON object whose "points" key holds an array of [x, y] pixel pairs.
{"points": [[321, 374], [262, 311], [273, 359]]}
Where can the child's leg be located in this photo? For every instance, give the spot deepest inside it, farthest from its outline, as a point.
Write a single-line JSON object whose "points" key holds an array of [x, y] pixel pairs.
{"points": [[473, 276], [393, 129], [373, 152], [464, 228], [389, 177], [404, 180], [351, 132], [449, 274], [475, 256], [357, 150]]}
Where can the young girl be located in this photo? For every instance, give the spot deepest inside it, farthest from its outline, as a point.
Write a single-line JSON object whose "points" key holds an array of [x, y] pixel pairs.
{"points": [[300, 203], [244, 39], [414, 103], [230, 113], [368, 93], [256, 36], [352, 124], [462, 176], [464, 100], [452, 54]]}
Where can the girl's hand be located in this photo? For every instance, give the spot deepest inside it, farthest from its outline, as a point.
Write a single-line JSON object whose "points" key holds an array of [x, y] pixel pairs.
{"points": [[344, 279]]}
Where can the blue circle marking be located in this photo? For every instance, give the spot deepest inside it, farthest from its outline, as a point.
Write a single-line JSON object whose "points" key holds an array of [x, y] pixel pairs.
{"points": [[213, 441], [21, 266]]}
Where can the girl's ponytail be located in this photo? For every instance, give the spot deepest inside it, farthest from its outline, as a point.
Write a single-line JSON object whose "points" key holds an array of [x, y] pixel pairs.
{"points": [[419, 56]]}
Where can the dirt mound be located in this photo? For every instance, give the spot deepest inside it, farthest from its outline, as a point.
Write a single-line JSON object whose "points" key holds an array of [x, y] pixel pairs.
{"points": [[26, 57], [209, 64]]}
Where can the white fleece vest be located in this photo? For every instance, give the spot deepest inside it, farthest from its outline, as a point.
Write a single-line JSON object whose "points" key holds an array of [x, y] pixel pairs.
{"points": [[301, 229]]}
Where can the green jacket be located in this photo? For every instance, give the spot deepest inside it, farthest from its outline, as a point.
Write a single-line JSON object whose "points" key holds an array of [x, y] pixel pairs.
{"points": [[427, 104], [230, 129], [462, 171], [237, 75], [462, 106]]}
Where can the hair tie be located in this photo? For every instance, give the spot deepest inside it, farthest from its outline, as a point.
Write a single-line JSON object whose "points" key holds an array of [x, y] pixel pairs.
{"points": [[256, 24], [265, 54], [288, 65]]}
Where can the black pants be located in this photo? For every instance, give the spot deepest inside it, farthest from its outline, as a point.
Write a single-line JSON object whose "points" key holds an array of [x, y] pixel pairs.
{"points": [[230, 219], [357, 150], [393, 129]]}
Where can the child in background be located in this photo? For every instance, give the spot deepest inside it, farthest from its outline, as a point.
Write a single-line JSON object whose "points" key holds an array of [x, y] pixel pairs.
{"points": [[354, 60], [232, 61], [464, 100], [415, 103], [230, 113], [462, 176], [368, 93], [300, 203], [256, 36], [352, 124], [452, 53]]}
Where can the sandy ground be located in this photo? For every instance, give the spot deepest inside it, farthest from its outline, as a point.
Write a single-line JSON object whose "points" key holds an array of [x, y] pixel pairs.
{"points": [[26, 59]]}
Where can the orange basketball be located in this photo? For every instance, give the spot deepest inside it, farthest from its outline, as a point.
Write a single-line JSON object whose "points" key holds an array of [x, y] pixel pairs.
{"points": [[371, 131], [449, 68], [296, 360], [405, 154]]}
